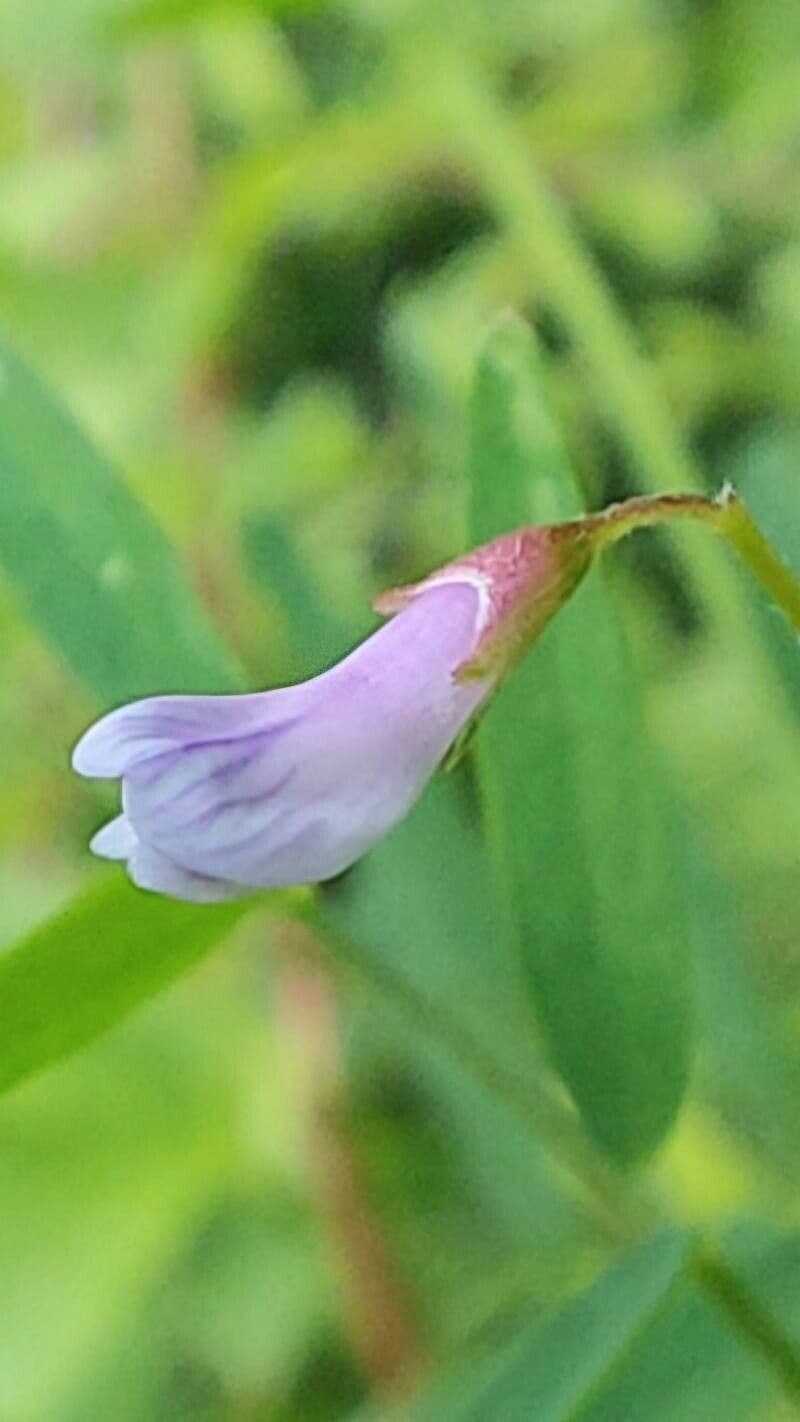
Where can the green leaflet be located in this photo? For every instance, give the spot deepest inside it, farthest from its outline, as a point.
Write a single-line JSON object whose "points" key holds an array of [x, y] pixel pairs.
{"points": [[586, 853], [90, 565], [88, 967]]}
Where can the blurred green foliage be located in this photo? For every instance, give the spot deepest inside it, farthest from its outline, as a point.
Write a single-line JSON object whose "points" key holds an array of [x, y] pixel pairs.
{"points": [[258, 254]]}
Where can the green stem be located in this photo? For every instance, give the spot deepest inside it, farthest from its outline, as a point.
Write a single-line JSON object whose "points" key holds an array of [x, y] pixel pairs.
{"points": [[716, 1278], [622, 1210], [726, 515], [736, 524]]}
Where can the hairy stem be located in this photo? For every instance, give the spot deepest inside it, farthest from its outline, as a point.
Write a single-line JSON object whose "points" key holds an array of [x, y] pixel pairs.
{"points": [[725, 514]]}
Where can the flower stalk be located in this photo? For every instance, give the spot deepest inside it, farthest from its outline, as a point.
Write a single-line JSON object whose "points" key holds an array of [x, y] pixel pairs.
{"points": [[725, 513]]}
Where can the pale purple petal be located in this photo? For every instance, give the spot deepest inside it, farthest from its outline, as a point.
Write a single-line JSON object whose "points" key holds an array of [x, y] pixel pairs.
{"points": [[289, 786], [144, 729], [150, 870], [116, 840]]}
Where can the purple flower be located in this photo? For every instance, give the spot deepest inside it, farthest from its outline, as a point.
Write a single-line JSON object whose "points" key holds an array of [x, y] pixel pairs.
{"points": [[226, 794]]}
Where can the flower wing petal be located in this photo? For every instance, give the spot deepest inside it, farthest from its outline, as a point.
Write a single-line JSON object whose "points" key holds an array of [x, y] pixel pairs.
{"points": [[134, 734], [214, 807], [116, 840], [151, 870]]}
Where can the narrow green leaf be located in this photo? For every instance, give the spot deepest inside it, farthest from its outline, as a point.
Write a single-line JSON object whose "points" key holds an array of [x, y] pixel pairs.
{"points": [[697, 1362], [644, 1341], [760, 474], [93, 964], [317, 635], [91, 566], [518, 466], [577, 813], [438, 945], [750, 1066], [553, 1372]]}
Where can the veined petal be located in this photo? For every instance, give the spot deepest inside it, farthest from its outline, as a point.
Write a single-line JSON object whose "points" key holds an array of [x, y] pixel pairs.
{"points": [[150, 870], [298, 797], [133, 734], [222, 794]]}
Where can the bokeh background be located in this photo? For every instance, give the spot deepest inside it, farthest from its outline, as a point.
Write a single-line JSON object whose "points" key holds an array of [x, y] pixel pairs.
{"points": [[256, 249]]}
